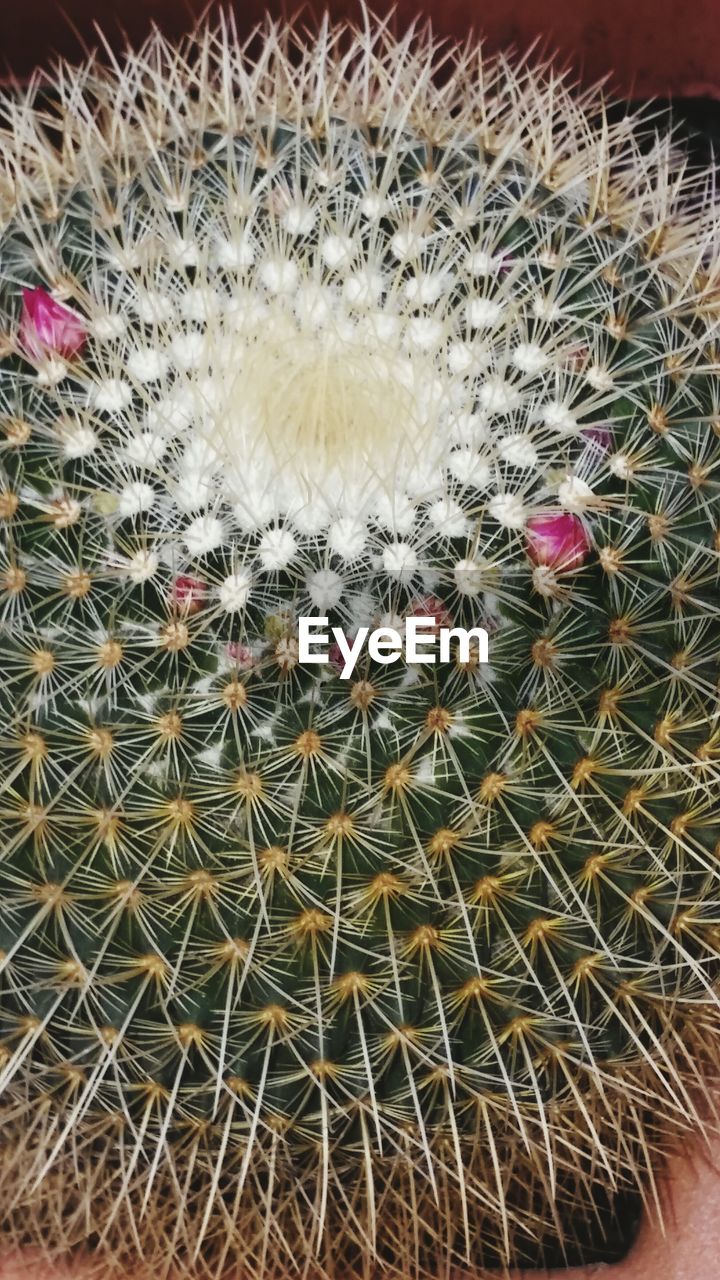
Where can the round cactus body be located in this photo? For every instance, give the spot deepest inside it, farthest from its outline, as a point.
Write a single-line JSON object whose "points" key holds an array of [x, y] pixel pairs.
{"points": [[371, 964]]}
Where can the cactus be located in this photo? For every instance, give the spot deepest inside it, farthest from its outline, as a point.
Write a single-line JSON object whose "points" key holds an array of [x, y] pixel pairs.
{"points": [[412, 970]]}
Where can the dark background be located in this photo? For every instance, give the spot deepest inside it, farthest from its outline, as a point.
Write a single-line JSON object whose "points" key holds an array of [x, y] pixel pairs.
{"points": [[650, 47], [664, 50]]}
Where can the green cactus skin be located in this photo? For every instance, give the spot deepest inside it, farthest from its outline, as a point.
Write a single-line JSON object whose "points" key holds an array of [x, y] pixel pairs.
{"points": [[402, 973]]}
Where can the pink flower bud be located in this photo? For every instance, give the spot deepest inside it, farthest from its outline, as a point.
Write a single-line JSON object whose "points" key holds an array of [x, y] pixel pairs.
{"points": [[335, 653], [600, 437], [49, 328], [575, 356], [189, 593], [241, 654], [559, 540], [433, 607]]}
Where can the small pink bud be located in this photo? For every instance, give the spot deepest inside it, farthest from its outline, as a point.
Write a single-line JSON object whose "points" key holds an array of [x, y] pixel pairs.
{"points": [[575, 356], [599, 436], [241, 654], [335, 653], [189, 593], [48, 327], [558, 540], [433, 607]]}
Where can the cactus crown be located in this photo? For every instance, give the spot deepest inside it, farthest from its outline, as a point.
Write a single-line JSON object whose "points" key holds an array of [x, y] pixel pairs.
{"points": [[411, 968]]}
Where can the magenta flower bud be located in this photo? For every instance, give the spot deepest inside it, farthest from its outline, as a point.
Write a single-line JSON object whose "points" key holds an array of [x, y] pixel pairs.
{"points": [[335, 653], [433, 607], [600, 436], [558, 540], [575, 356], [49, 328], [189, 593], [241, 654], [335, 657]]}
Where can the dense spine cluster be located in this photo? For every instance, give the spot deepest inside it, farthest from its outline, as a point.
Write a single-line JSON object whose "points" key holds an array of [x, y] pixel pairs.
{"points": [[413, 970]]}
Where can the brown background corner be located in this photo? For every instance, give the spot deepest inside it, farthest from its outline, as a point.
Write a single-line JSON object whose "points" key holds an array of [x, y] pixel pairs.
{"points": [[648, 47]]}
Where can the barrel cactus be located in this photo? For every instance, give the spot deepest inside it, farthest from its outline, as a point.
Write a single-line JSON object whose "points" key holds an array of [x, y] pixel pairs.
{"points": [[414, 969]]}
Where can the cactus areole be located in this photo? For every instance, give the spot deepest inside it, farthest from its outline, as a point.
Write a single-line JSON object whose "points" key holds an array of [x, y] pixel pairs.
{"points": [[403, 966]]}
